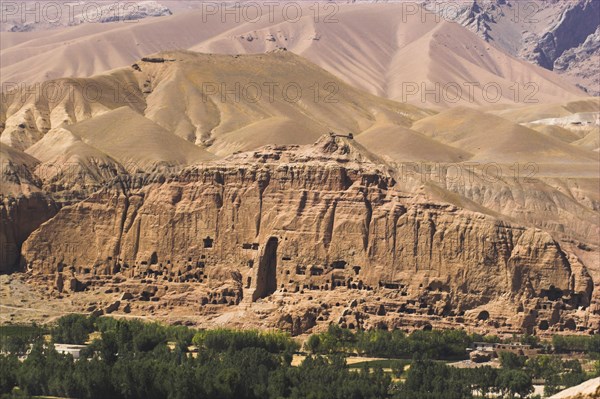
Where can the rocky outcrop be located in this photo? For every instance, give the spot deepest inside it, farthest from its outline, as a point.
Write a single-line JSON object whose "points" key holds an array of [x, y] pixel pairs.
{"points": [[293, 218], [577, 23], [18, 218], [557, 35], [23, 206], [580, 62]]}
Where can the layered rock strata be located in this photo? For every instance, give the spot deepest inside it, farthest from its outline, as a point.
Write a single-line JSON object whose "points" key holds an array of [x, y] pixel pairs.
{"points": [[328, 216]]}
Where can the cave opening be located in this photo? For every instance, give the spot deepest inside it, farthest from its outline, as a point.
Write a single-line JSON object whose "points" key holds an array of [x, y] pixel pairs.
{"points": [[483, 315], [552, 293], [266, 275], [339, 264], [570, 325]]}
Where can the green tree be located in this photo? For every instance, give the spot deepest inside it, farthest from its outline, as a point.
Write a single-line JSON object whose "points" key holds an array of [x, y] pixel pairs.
{"points": [[428, 379], [32, 376], [544, 366], [510, 360], [109, 346], [484, 379], [313, 344], [148, 339], [531, 340], [515, 382], [593, 345], [9, 366], [16, 344], [73, 329]]}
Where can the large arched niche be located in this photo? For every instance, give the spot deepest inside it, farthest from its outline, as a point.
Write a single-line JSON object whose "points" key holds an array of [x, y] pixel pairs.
{"points": [[266, 274]]}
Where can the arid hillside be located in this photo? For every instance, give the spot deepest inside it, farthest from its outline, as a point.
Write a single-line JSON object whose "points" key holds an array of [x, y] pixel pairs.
{"points": [[395, 50]]}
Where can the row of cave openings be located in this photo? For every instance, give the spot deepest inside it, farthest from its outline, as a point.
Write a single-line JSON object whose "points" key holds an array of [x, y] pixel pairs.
{"points": [[266, 283], [266, 275], [266, 278]]}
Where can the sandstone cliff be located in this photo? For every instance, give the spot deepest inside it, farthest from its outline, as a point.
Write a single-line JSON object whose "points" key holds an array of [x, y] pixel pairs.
{"points": [[327, 216], [23, 206]]}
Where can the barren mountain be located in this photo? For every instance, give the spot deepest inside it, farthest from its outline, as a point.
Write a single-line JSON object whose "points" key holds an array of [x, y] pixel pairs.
{"points": [[173, 113], [173, 100], [385, 49], [561, 36], [473, 131]]}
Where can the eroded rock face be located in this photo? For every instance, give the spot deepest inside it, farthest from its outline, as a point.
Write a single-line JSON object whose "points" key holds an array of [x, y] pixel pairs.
{"points": [[18, 218], [576, 24], [302, 217], [23, 206], [556, 35]]}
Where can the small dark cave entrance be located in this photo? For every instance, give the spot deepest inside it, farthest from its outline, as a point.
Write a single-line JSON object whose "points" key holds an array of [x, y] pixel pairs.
{"points": [[483, 315], [571, 325], [266, 275]]}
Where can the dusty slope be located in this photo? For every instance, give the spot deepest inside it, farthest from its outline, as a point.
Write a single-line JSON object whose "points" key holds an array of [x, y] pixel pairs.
{"points": [[278, 96], [586, 390], [356, 47], [69, 167], [219, 102], [537, 112], [575, 122], [27, 113], [495, 139], [555, 131], [402, 144], [137, 142]]}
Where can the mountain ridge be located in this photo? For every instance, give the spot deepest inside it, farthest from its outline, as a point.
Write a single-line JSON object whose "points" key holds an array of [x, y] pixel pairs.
{"points": [[374, 63]]}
